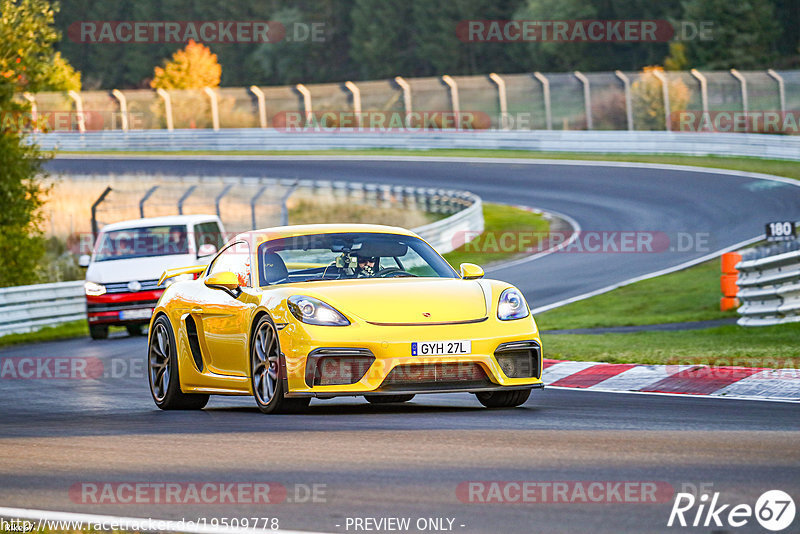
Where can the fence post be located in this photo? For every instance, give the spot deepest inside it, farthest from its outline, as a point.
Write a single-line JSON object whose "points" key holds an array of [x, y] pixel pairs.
{"points": [[219, 198], [626, 85], [184, 197], [144, 199], [284, 207], [781, 89], [406, 98], [34, 111], [303, 90], [123, 108], [587, 99], [502, 99], [703, 89], [743, 83], [546, 94], [454, 101], [101, 198], [262, 105], [214, 107], [76, 97], [665, 95], [167, 107], [356, 92], [253, 205]]}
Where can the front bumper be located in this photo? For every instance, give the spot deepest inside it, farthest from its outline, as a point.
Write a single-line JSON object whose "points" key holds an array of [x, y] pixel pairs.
{"points": [[122, 308], [395, 371]]}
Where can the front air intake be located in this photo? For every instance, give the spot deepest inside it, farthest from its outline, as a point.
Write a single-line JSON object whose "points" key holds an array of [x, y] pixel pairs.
{"points": [[519, 359], [436, 377], [337, 366]]}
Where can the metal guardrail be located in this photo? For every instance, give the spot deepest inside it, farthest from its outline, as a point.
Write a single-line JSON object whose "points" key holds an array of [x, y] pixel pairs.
{"points": [[28, 308], [259, 139], [769, 289]]}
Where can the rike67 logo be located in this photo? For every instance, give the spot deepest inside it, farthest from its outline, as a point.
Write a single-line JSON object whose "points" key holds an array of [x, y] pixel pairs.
{"points": [[774, 510]]}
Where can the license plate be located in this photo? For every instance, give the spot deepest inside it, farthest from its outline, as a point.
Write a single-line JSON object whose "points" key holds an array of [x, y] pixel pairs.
{"points": [[144, 313], [441, 348]]}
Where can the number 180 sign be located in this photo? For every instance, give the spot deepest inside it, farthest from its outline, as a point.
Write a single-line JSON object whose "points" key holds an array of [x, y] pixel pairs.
{"points": [[780, 231]]}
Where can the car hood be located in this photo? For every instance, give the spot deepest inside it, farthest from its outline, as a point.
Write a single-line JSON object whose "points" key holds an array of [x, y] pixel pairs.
{"points": [[403, 300], [147, 268]]}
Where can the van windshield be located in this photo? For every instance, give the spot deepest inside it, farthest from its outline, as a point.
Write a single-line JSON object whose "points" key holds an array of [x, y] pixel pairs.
{"points": [[142, 242]]}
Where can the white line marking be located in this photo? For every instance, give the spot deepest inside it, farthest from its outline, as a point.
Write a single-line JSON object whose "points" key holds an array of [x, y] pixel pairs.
{"points": [[171, 525], [793, 401]]}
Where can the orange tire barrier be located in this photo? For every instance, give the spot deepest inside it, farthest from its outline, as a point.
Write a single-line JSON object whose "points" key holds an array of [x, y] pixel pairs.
{"points": [[729, 261], [727, 283], [728, 303]]}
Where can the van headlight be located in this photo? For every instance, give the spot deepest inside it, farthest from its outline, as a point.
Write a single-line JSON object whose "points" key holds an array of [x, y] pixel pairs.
{"points": [[177, 278], [512, 305], [93, 289], [313, 311]]}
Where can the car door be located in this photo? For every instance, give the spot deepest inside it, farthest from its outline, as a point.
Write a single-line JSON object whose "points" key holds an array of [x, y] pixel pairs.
{"points": [[223, 319]]}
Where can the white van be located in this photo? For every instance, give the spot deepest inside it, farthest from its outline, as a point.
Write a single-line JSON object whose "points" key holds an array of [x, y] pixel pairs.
{"points": [[128, 259]]}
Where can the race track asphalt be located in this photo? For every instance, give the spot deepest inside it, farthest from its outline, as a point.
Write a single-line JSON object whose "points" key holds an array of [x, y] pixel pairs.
{"points": [[409, 460]]}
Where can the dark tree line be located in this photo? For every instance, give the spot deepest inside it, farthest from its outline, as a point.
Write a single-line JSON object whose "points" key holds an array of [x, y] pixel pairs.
{"points": [[370, 39]]}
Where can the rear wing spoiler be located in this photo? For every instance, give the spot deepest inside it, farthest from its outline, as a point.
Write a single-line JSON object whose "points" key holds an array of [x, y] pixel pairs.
{"points": [[169, 273]]}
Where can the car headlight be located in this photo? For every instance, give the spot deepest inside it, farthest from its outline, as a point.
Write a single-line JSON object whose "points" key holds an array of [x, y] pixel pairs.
{"points": [[313, 311], [93, 289], [512, 305], [178, 278]]}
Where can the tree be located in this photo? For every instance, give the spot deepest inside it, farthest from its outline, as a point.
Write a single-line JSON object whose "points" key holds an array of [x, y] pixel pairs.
{"points": [[27, 63], [648, 99], [745, 34], [193, 67]]}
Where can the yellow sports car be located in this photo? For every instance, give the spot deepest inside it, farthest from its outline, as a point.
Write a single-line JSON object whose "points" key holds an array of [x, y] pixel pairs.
{"points": [[286, 314]]}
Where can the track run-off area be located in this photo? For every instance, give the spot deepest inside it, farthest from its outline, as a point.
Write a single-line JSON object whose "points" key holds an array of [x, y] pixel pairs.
{"points": [[64, 442]]}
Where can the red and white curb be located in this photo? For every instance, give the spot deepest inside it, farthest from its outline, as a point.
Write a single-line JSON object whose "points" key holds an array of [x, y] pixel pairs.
{"points": [[703, 380]]}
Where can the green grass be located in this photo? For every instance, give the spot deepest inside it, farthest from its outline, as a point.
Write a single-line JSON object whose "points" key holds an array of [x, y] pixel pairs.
{"points": [[689, 295], [50, 333], [767, 346], [498, 219], [789, 169]]}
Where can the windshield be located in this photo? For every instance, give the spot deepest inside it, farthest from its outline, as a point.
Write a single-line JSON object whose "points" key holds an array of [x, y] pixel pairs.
{"points": [[348, 256], [142, 242]]}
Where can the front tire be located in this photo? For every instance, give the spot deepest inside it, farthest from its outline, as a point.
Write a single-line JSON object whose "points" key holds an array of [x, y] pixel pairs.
{"points": [[504, 399], [266, 371], [164, 373], [387, 399]]}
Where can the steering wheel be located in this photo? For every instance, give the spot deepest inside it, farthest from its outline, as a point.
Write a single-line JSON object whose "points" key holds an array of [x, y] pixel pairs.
{"points": [[391, 272]]}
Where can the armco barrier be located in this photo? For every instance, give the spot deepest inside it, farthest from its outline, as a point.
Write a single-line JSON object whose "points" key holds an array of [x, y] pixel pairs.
{"points": [[28, 308], [255, 139], [769, 289]]}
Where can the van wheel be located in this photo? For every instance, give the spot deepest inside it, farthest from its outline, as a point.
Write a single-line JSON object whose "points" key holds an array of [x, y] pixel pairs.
{"points": [[98, 331]]}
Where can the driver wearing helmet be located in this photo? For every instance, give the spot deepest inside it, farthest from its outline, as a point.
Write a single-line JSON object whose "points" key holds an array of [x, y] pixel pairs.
{"points": [[367, 266]]}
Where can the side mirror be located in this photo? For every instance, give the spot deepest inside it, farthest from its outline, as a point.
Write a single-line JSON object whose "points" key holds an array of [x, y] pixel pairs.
{"points": [[206, 249], [226, 281], [470, 271], [83, 260]]}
